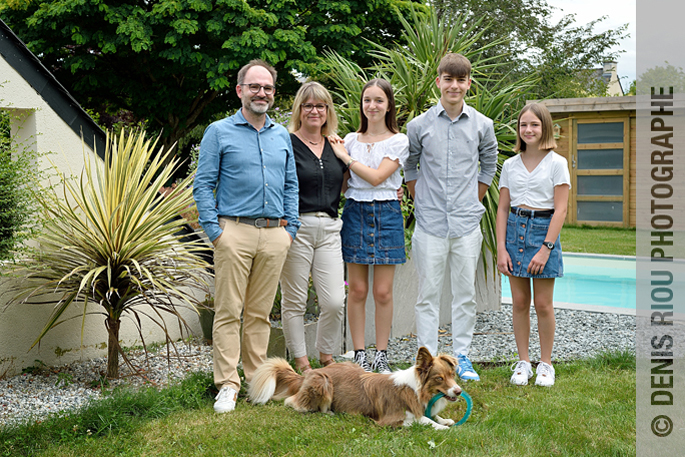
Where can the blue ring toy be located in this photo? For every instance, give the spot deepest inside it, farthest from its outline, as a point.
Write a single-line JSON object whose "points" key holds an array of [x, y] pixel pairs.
{"points": [[464, 395]]}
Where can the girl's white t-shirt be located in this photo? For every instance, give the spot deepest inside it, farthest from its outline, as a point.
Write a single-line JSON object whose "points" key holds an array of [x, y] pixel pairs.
{"points": [[534, 189], [371, 155]]}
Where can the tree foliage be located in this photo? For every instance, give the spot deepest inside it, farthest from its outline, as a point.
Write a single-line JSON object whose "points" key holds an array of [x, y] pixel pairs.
{"points": [[661, 77], [517, 24], [565, 65], [173, 63], [559, 52]]}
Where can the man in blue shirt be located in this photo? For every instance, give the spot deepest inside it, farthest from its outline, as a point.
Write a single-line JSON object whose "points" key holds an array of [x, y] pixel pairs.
{"points": [[246, 193], [455, 149]]}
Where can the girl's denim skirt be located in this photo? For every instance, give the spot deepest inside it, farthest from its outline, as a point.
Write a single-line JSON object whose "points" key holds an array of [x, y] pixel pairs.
{"points": [[373, 233], [525, 236]]}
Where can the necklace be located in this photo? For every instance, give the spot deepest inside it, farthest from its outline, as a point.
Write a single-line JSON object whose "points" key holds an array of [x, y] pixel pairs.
{"points": [[313, 143]]}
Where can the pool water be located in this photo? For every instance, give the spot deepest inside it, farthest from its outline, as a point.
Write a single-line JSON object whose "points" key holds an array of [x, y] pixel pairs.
{"points": [[593, 280]]}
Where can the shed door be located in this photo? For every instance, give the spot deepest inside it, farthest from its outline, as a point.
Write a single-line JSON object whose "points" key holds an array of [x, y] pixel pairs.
{"points": [[600, 162]]}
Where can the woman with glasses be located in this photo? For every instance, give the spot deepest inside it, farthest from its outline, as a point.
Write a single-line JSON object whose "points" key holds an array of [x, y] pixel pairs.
{"points": [[317, 247]]}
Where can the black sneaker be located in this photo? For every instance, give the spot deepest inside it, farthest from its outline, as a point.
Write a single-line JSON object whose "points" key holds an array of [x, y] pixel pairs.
{"points": [[380, 363], [360, 359]]}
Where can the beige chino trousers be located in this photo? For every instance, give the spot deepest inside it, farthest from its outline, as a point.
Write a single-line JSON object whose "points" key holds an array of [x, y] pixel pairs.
{"points": [[317, 250], [247, 265]]}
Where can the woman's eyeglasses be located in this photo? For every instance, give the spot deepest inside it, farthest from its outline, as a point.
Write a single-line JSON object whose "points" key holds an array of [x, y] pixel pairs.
{"points": [[308, 107]]}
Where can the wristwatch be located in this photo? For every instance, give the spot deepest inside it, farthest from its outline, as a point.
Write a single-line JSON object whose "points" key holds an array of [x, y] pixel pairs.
{"points": [[549, 245]]}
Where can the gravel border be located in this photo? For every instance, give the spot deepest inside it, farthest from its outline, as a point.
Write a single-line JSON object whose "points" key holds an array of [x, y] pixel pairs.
{"points": [[33, 396]]}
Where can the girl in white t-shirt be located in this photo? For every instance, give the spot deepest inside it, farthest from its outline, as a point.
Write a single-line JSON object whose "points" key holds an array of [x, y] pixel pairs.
{"points": [[533, 200], [373, 226]]}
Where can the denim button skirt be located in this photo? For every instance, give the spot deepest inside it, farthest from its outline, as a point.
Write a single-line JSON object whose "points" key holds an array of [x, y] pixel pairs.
{"points": [[373, 233], [525, 236]]}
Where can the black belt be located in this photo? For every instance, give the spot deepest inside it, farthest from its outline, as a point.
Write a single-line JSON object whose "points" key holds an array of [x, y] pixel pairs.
{"points": [[260, 222], [547, 213]]}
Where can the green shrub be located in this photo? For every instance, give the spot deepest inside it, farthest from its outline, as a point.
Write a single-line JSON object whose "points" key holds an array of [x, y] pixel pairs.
{"points": [[18, 215]]}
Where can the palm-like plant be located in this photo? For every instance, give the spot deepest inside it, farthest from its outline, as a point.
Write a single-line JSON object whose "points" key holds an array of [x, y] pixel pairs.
{"points": [[113, 241], [412, 68]]}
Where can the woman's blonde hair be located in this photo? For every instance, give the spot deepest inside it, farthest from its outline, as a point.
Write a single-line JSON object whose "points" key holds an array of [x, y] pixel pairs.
{"points": [[314, 90], [547, 141]]}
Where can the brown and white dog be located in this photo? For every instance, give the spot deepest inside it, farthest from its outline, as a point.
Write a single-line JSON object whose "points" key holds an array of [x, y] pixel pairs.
{"points": [[393, 399]]}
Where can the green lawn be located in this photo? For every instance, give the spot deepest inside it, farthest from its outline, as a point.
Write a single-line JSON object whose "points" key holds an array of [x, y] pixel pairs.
{"points": [[590, 411], [598, 240]]}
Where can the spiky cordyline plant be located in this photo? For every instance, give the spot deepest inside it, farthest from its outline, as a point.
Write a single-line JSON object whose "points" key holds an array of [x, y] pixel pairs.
{"points": [[112, 246], [412, 69]]}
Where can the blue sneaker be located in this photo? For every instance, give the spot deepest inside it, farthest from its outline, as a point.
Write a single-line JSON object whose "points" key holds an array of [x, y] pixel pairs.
{"points": [[465, 369]]}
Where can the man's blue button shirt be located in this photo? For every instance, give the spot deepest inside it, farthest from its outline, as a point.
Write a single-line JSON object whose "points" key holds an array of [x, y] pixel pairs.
{"points": [[252, 172]]}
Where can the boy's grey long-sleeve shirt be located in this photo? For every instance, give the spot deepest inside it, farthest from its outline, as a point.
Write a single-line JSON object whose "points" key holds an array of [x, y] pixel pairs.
{"points": [[448, 159]]}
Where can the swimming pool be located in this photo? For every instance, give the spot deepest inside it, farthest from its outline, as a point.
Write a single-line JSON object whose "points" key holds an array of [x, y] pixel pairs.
{"points": [[592, 280]]}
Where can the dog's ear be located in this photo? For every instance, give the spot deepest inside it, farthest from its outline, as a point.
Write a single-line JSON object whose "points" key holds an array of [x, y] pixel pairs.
{"points": [[451, 361], [424, 359]]}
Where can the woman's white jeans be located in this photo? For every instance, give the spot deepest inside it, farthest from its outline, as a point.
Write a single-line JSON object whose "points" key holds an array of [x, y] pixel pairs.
{"points": [[431, 256], [316, 249]]}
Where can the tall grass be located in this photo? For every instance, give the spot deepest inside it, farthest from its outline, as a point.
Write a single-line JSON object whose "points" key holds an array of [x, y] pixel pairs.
{"points": [[590, 411]]}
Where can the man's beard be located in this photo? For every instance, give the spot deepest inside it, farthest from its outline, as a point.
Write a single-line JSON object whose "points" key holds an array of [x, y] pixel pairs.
{"points": [[259, 109]]}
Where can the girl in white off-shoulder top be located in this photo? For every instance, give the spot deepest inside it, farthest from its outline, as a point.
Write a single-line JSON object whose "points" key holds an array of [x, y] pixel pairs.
{"points": [[373, 226]]}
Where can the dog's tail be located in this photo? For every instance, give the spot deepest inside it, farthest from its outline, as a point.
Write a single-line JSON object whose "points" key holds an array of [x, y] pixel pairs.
{"points": [[274, 379]]}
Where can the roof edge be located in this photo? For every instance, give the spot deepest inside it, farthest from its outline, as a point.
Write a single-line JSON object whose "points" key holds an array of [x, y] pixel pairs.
{"points": [[24, 62], [569, 105]]}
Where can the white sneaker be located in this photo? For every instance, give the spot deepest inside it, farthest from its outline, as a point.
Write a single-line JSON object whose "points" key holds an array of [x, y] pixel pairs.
{"points": [[545, 375], [523, 371], [225, 400]]}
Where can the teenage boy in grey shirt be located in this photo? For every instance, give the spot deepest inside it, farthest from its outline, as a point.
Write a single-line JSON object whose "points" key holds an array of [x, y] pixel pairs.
{"points": [[448, 143]]}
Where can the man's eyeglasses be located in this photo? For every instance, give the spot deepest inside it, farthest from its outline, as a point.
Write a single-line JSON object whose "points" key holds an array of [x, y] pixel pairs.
{"points": [[307, 107], [254, 88]]}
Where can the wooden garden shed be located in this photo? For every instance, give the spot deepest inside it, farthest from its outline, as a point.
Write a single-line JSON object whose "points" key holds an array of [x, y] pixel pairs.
{"points": [[597, 137]]}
